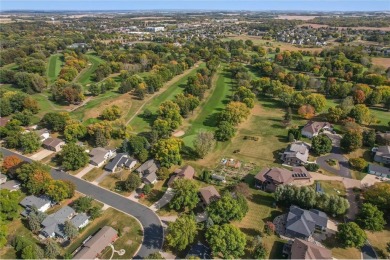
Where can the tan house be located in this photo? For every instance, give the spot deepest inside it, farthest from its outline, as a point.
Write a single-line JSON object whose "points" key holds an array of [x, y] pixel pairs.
{"points": [[53, 144], [312, 128], [187, 172], [209, 194], [270, 178], [302, 249], [93, 247]]}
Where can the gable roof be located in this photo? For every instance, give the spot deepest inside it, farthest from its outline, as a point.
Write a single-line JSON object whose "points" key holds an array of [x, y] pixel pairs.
{"points": [[379, 169], [383, 151], [187, 172], [149, 166], [304, 221], [302, 249], [52, 142], [97, 243], [98, 151], [59, 217], [114, 162], [10, 185], [209, 194], [314, 127], [34, 201], [79, 219], [282, 175]]}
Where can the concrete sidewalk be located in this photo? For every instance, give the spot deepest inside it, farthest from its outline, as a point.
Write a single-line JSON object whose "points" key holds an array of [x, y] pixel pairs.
{"points": [[85, 171]]}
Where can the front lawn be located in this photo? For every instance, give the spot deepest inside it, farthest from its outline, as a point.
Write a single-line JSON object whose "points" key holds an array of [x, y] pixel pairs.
{"points": [[93, 174]]}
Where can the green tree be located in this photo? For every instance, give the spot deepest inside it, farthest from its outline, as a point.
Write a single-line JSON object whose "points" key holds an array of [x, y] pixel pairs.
{"points": [[30, 142], [226, 240], [132, 182], [186, 195], [73, 157], [204, 143], [335, 114], [162, 128], [34, 221], [370, 218], [351, 235], [170, 112], [82, 204], [99, 138], [110, 84], [9, 204], [358, 164], [156, 255], [58, 190], [94, 212], [234, 113], [37, 182], [137, 145], [3, 235], [70, 230], [111, 113], [379, 195], [321, 144], [55, 121], [351, 141], [32, 252], [369, 138], [318, 101], [182, 232], [361, 114], [228, 208], [24, 117], [260, 252], [225, 131], [52, 250], [94, 89], [74, 132], [167, 152]]}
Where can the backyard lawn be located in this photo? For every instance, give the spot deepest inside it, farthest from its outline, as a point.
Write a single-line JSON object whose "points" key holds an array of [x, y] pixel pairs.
{"points": [[379, 240], [93, 174], [109, 182], [330, 187], [130, 233]]}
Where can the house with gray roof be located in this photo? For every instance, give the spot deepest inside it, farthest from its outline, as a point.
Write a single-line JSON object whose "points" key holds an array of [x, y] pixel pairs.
{"points": [[296, 154], [80, 220], [53, 144], [147, 171], [53, 225], [100, 155], [121, 160], [302, 223], [379, 170], [42, 204], [11, 185], [382, 154]]}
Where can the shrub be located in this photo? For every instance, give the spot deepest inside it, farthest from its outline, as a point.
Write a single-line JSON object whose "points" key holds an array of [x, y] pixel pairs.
{"points": [[313, 167], [358, 164]]}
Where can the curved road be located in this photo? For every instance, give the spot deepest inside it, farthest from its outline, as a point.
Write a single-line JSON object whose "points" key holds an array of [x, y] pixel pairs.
{"points": [[153, 230]]}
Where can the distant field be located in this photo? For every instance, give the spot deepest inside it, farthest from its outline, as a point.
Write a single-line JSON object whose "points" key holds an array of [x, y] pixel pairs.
{"points": [[297, 17], [385, 62], [315, 25], [257, 40], [54, 66]]}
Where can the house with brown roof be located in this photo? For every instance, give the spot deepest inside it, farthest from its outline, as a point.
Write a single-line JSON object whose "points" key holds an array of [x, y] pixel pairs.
{"points": [[93, 247], [209, 194], [53, 144], [270, 178], [301, 249], [187, 172], [313, 128]]}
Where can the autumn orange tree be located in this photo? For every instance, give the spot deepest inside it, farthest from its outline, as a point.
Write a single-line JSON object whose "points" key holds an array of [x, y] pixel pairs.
{"points": [[306, 111], [10, 163]]}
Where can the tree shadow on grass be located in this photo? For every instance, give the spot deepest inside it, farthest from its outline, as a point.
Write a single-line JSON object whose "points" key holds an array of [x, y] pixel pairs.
{"points": [[211, 120], [189, 153], [277, 154], [276, 251]]}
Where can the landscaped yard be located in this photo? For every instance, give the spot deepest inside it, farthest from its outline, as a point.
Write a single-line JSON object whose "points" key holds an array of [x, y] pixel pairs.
{"points": [[93, 174], [130, 233], [109, 182], [156, 193]]}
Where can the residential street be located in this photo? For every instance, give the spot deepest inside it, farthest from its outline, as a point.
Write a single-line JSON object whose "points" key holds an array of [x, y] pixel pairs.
{"points": [[153, 230]]}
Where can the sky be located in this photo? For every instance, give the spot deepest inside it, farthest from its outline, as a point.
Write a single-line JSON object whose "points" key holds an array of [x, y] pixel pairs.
{"points": [[161, 5]]}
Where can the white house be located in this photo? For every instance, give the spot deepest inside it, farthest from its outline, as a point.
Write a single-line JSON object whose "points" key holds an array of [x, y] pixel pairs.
{"points": [[40, 203], [80, 220], [100, 155], [312, 128]]}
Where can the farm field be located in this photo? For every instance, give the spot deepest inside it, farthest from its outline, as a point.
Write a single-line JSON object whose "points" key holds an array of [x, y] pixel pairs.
{"points": [[384, 62], [206, 119], [54, 66], [168, 92]]}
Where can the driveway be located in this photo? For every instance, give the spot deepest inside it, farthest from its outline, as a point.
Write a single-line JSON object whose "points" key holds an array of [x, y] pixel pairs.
{"points": [[85, 171], [368, 252], [343, 170], [165, 199], [41, 155], [152, 226], [101, 177]]}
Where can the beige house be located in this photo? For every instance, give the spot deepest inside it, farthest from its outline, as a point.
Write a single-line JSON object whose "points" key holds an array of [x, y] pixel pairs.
{"points": [[53, 144]]}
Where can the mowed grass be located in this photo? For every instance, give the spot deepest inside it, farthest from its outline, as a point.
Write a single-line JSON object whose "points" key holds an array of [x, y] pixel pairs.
{"points": [[330, 187], [86, 75], [140, 124], [93, 174], [207, 118], [54, 66], [261, 210], [129, 229], [379, 240]]}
